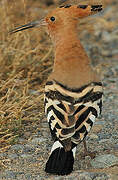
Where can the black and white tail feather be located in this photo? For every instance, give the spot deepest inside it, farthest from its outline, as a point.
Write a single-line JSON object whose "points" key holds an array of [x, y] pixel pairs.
{"points": [[60, 162]]}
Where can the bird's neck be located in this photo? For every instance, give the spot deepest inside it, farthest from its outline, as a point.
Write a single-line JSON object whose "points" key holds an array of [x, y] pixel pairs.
{"points": [[68, 48], [71, 64]]}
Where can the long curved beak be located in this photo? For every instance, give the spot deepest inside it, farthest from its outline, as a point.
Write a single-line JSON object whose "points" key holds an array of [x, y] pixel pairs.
{"points": [[29, 25]]}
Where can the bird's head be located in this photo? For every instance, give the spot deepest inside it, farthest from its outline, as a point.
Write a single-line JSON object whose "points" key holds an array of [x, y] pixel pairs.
{"points": [[62, 18]]}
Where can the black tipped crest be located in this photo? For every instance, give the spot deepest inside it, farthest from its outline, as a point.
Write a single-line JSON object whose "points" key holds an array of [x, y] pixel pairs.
{"points": [[96, 8], [82, 6], [62, 6], [66, 6]]}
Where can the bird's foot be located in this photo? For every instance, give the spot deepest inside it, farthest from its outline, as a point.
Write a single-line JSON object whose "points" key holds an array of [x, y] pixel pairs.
{"points": [[88, 153]]}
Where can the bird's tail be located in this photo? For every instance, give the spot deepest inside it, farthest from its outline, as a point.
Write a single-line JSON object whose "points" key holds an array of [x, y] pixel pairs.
{"points": [[60, 162]]}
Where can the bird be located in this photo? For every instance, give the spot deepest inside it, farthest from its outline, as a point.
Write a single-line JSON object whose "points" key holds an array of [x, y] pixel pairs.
{"points": [[73, 91]]}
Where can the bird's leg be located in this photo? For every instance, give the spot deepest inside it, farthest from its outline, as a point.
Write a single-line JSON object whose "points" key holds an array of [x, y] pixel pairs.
{"points": [[88, 153]]}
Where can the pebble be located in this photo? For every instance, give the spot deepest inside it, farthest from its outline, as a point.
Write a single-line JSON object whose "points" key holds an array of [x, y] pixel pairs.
{"points": [[103, 141], [17, 147], [13, 156], [93, 136], [104, 161], [2, 155], [100, 123], [84, 176], [28, 149], [78, 175], [10, 175], [96, 128], [106, 36], [25, 156], [37, 140]]}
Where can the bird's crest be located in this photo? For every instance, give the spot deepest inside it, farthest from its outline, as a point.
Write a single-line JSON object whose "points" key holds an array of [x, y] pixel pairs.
{"points": [[62, 13]]}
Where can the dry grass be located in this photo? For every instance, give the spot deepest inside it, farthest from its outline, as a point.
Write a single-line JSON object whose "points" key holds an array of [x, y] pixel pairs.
{"points": [[25, 61], [24, 67]]}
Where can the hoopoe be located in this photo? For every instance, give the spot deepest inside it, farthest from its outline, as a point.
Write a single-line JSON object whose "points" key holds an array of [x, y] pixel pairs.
{"points": [[73, 92]]}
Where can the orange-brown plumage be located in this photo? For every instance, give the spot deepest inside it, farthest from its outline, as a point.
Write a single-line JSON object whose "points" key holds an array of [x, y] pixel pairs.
{"points": [[71, 61], [73, 92]]}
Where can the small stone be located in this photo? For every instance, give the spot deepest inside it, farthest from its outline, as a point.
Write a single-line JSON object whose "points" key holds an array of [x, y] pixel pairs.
{"points": [[25, 156], [104, 161], [93, 136], [3, 155], [17, 147], [36, 141], [21, 140], [100, 122], [97, 128], [27, 134], [84, 176], [99, 176], [103, 141], [28, 149], [116, 146], [10, 174], [13, 156], [59, 178], [106, 36]]}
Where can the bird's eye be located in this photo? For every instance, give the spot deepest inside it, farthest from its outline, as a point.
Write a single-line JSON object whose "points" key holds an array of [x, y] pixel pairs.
{"points": [[52, 18]]}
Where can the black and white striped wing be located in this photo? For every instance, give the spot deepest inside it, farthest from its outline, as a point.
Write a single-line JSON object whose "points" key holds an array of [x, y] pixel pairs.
{"points": [[59, 120], [71, 113], [85, 116]]}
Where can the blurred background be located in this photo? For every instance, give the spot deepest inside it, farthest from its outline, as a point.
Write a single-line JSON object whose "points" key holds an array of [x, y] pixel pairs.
{"points": [[26, 59]]}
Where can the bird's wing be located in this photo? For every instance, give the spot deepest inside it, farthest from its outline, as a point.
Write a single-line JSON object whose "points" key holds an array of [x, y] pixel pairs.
{"points": [[71, 113]]}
